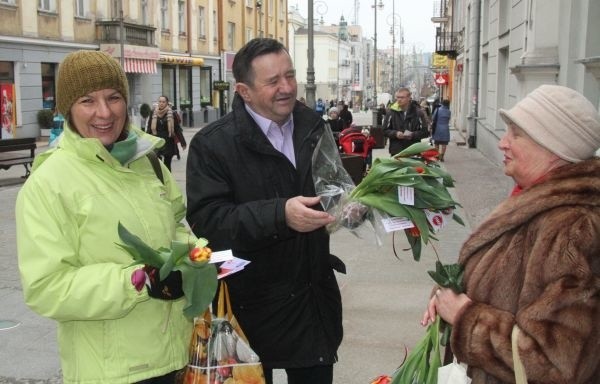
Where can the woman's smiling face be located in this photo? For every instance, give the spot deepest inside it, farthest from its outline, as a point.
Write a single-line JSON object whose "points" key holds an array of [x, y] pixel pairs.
{"points": [[100, 114]]}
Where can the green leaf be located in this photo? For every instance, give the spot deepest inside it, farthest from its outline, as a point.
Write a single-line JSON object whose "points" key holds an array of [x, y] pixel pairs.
{"points": [[199, 287], [139, 250], [414, 149], [458, 219]]}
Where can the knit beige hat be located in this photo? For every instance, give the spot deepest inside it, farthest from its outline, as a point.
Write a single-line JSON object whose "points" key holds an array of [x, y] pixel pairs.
{"points": [[559, 119], [82, 72]]}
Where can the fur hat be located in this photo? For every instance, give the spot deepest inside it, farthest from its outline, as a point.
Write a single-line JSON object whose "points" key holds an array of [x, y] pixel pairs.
{"points": [[333, 109], [82, 72], [559, 119]]}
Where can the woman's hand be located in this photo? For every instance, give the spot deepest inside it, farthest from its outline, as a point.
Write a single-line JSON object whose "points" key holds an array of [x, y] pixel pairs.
{"points": [[445, 303]]}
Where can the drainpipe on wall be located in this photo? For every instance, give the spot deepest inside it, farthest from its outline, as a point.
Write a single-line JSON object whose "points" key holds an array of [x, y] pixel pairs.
{"points": [[474, 74]]}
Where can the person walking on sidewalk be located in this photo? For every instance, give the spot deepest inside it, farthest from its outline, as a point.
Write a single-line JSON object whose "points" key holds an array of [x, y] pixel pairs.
{"points": [[405, 122], [250, 189], [440, 128], [162, 124], [532, 267], [67, 215]]}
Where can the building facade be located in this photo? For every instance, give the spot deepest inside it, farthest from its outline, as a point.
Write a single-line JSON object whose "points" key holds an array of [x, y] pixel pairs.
{"points": [[503, 49], [178, 48]]}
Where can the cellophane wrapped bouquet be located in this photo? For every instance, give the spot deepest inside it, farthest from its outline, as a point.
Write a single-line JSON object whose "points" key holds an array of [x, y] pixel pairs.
{"points": [[406, 192]]}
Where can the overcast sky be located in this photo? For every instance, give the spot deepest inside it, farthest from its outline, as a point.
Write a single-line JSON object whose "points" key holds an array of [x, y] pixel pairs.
{"points": [[415, 16]]}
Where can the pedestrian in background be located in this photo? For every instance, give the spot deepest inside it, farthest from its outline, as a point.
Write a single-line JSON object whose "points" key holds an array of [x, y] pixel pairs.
{"points": [[405, 122], [531, 268], [67, 215], [250, 189], [345, 115], [178, 130], [336, 124], [440, 128], [162, 124], [381, 111]]}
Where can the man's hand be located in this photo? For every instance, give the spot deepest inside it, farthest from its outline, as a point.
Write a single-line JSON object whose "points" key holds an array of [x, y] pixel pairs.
{"points": [[300, 217], [406, 135]]}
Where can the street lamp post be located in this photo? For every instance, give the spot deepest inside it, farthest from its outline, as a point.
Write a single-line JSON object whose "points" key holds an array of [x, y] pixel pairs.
{"points": [[375, 5], [393, 20], [310, 70]]}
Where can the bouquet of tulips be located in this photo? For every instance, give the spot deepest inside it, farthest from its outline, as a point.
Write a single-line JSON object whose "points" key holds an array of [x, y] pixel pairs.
{"points": [[199, 277], [406, 192]]}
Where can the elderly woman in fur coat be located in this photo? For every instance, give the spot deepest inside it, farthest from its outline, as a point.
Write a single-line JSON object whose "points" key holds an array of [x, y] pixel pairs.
{"points": [[534, 263]]}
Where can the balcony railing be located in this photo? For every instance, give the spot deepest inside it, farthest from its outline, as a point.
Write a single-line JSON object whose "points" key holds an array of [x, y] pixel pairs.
{"points": [[108, 31], [448, 43]]}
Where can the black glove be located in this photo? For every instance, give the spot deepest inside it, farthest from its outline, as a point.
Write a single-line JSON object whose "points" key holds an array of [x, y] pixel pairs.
{"points": [[168, 289]]}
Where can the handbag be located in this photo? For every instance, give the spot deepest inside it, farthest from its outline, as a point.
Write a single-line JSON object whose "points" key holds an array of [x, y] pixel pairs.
{"points": [[520, 376], [219, 351], [453, 373]]}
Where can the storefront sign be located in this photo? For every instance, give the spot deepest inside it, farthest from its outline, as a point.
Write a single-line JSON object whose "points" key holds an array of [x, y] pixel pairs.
{"points": [[131, 51], [220, 85]]}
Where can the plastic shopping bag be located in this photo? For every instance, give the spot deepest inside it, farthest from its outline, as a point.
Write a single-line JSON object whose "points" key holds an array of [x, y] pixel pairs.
{"points": [[219, 350]]}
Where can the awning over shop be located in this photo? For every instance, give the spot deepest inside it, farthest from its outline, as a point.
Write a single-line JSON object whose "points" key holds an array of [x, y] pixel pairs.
{"points": [[139, 65], [181, 60], [136, 59]]}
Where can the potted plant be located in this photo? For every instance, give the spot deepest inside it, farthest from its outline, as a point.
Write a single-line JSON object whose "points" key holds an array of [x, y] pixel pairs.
{"points": [[45, 120]]}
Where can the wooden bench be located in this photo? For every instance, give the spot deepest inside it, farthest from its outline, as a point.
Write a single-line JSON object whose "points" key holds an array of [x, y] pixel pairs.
{"points": [[13, 152]]}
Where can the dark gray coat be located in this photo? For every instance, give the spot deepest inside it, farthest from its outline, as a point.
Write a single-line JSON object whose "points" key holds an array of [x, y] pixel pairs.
{"points": [[287, 299]]}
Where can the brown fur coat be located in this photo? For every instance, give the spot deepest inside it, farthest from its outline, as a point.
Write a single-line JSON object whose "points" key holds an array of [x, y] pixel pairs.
{"points": [[536, 261]]}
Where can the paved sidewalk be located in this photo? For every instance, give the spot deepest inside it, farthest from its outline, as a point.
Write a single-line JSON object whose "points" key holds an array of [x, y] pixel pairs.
{"points": [[383, 297]]}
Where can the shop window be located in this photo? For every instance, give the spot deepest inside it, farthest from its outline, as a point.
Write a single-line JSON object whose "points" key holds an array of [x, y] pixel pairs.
{"points": [[205, 88], [48, 85], [168, 82], [185, 88]]}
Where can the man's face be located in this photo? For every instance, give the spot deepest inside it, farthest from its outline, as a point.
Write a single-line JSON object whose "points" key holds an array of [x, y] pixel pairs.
{"points": [[273, 91], [403, 99]]}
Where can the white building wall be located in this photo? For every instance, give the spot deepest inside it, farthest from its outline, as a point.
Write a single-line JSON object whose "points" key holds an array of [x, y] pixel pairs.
{"points": [[522, 44]]}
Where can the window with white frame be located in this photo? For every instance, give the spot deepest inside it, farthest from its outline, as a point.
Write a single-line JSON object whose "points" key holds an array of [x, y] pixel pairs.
{"points": [[164, 14], [250, 3], [230, 36], [181, 16], [271, 7], [81, 8], [47, 5], [281, 10], [201, 22], [249, 34], [11, 2], [115, 9], [214, 26], [144, 12]]}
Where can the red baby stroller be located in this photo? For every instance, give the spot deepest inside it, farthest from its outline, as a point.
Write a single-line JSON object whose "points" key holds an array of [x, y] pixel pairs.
{"points": [[354, 142]]}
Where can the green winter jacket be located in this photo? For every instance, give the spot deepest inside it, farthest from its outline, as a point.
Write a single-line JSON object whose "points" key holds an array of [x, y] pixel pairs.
{"points": [[73, 271]]}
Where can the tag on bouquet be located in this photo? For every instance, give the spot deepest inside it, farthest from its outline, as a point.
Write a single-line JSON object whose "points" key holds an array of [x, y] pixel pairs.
{"points": [[438, 219], [406, 195], [396, 224], [231, 266]]}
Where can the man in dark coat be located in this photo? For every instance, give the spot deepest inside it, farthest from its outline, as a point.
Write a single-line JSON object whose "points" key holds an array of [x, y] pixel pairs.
{"points": [[405, 122], [250, 189]]}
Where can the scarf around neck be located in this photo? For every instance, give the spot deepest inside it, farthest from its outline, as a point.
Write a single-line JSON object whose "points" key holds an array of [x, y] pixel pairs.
{"points": [[159, 114]]}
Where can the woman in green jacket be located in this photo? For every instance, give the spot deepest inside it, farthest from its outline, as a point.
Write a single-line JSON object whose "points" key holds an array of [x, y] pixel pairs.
{"points": [[67, 213]]}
